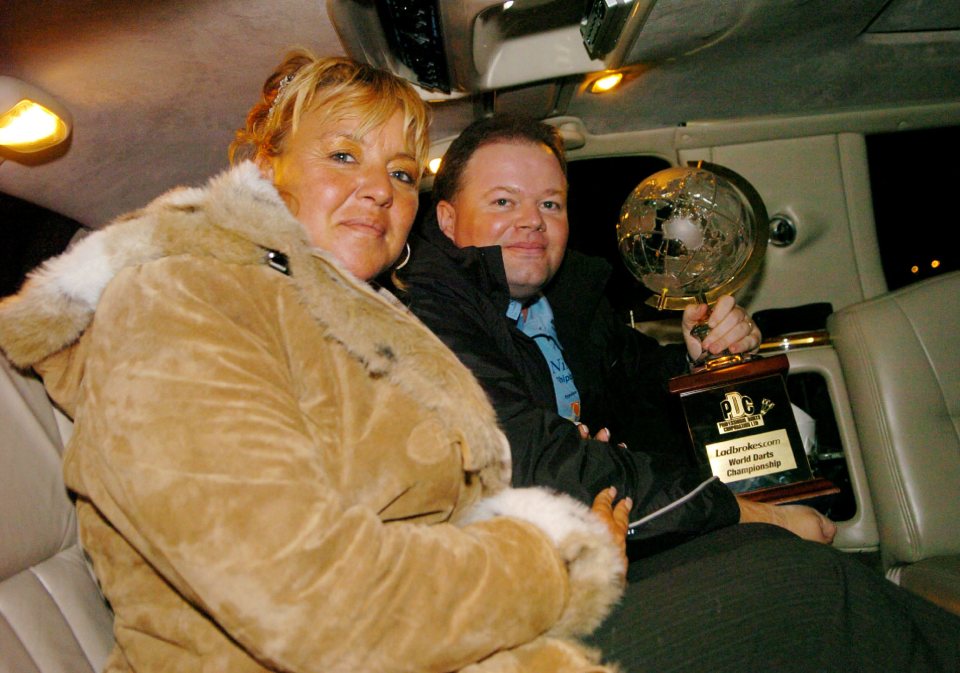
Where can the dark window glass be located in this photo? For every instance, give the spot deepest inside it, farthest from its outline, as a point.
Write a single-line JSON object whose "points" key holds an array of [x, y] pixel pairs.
{"points": [[598, 188], [914, 179], [30, 235], [808, 390]]}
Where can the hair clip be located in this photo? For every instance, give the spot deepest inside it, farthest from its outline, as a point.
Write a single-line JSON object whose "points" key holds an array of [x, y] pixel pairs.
{"points": [[284, 81]]}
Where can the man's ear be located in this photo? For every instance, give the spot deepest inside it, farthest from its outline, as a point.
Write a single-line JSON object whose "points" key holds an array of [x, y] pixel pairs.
{"points": [[447, 219]]}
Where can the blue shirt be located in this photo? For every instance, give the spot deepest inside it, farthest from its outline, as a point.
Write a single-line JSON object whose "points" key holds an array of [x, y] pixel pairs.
{"points": [[536, 321]]}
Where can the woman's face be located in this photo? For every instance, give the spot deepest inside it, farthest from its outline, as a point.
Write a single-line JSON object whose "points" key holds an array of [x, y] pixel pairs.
{"points": [[356, 197]]}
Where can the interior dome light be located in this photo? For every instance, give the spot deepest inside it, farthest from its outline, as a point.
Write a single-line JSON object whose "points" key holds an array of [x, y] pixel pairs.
{"points": [[434, 164], [606, 82], [30, 119]]}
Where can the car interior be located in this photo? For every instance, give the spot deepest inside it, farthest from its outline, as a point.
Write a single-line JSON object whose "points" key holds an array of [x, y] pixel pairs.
{"points": [[840, 116]]}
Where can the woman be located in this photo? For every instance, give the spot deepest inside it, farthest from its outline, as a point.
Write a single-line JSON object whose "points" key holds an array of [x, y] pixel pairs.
{"points": [[267, 453]]}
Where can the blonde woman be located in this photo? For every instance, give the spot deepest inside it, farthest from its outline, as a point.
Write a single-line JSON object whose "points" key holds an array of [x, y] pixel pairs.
{"points": [[275, 466]]}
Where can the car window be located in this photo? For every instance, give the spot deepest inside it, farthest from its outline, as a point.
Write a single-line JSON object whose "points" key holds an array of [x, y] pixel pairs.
{"points": [[31, 234], [914, 181], [598, 188]]}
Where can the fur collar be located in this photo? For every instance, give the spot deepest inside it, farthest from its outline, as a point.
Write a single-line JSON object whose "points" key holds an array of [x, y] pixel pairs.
{"points": [[239, 218]]}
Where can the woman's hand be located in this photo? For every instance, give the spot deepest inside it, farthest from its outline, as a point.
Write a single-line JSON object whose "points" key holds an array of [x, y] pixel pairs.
{"points": [[731, 329], [616, 518]]}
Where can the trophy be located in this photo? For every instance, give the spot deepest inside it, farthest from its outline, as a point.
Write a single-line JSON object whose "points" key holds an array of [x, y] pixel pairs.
{"points": [[690, 235]]}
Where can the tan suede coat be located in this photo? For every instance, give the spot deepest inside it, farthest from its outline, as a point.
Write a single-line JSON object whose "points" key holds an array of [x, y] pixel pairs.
{"points": [[272, 464]]}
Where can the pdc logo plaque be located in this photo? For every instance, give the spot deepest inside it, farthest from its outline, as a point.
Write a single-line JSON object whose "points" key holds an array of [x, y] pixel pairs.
{"points": [[738, 413], [742, 430]]}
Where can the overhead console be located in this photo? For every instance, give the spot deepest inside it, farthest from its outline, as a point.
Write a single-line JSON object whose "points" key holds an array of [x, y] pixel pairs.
{"points": [[450, 49]]}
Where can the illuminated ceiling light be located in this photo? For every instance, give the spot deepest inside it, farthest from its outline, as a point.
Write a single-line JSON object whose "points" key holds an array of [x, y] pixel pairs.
{"points": [[30, 119], [935, 264], [507, 5], [914, 269], [434, 165], [606, 82]]}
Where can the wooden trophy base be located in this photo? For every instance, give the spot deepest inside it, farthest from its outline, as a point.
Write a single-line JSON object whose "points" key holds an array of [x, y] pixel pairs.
{"points": [[743, 430], [798, 492]]}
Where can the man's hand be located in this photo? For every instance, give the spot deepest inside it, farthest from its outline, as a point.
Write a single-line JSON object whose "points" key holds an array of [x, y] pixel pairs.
{"points": [[616, 518], [801, 520], [603, 435], [731, 329]]}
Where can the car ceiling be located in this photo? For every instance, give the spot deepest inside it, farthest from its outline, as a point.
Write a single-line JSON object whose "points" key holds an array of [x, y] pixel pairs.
{"points": [[156, 89]]}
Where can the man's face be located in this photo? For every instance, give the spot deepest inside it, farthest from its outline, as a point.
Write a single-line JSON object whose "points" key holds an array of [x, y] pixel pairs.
{"points": [[512, 194]]}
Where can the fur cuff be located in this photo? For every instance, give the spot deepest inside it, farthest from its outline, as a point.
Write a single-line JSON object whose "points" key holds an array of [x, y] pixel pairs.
{"points": [[593, 559]]}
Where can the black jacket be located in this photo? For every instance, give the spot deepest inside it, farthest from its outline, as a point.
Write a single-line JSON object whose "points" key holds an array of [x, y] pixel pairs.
{"points": [[462, 295]]}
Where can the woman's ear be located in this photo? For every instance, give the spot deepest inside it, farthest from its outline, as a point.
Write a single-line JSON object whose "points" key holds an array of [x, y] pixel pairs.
{"points": [[447, 219], [265, 164]]}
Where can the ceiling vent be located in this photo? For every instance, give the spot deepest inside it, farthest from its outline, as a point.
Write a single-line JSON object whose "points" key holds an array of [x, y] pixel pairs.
{"points": [[456, 48]]}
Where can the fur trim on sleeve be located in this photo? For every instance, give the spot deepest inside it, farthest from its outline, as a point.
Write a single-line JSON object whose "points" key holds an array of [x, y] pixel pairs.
{"points": [[593, 560]]}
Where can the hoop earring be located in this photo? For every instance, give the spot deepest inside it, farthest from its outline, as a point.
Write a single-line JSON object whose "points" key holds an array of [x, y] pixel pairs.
{"points": [[405, 259]]}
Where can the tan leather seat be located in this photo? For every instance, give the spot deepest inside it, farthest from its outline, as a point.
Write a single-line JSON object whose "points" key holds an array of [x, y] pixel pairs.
{"points": [[52, 615], [900, 355]]}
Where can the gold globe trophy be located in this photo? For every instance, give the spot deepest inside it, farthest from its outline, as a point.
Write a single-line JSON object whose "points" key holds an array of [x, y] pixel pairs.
{"points": [[690, 235]]}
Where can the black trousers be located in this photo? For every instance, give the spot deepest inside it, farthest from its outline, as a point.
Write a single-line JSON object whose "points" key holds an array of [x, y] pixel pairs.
{"points": [[757, 598]]}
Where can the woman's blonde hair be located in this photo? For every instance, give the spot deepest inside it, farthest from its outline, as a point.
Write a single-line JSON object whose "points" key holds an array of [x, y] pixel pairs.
{"points": [[336, 87]]}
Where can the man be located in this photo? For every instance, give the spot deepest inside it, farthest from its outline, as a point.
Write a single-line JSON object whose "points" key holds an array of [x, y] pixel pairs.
{"points": [[734, 598], [491, 276]]}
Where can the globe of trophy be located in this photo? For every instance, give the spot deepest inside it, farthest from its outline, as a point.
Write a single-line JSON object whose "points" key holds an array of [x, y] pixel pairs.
{"points": [[691, 234]]}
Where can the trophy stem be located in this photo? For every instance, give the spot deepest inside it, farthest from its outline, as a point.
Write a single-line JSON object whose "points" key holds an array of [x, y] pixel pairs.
{"points": [[702, 329], [662, 299]]}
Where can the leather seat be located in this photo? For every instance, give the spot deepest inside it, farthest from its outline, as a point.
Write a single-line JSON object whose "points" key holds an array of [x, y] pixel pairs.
{"points": [[52, 615], [900, 355]]}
